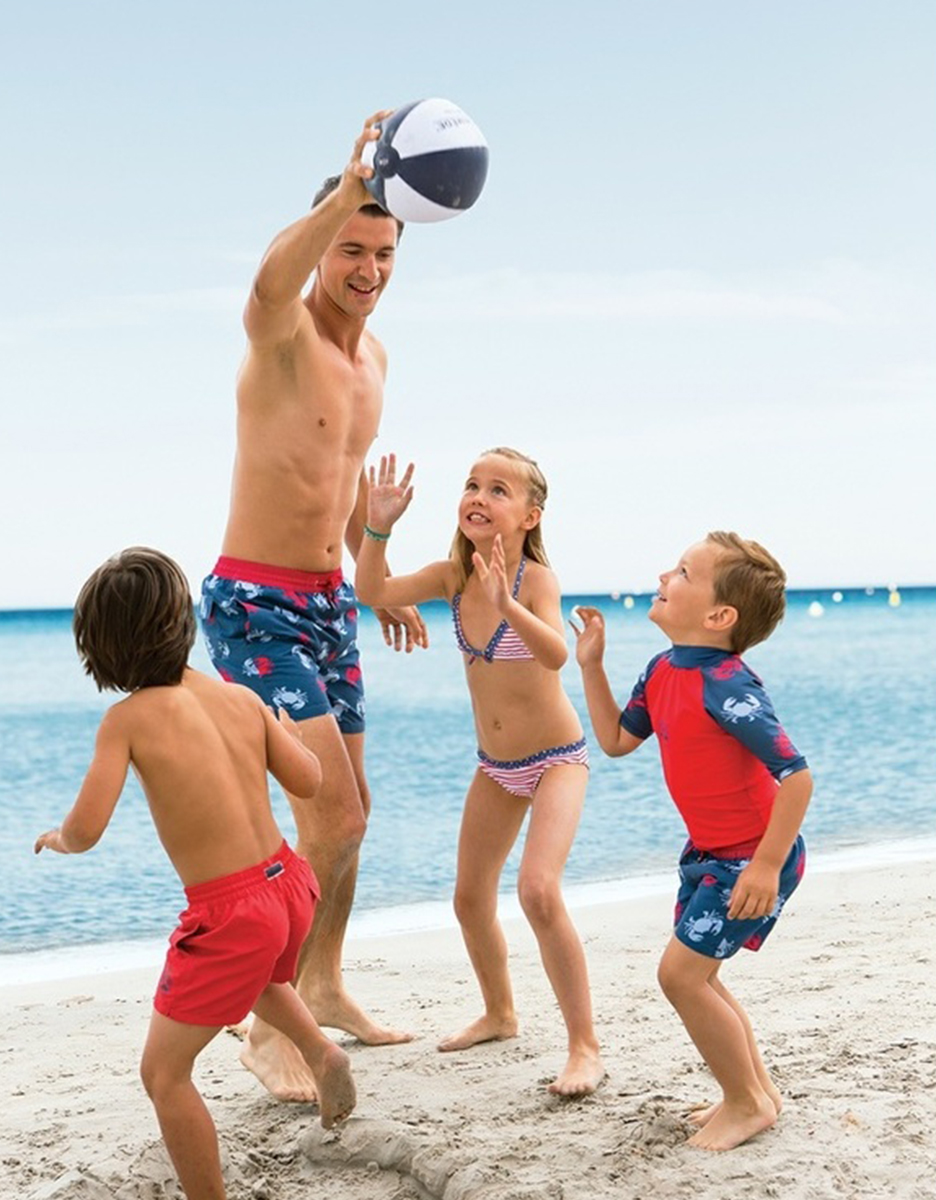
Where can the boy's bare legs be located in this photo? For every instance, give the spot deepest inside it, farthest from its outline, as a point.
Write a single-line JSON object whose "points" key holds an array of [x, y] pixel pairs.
{"points": [[704, 1114], [721, 1037], [187, 1128], [557, 807], [279, 1006], [489, 828], [329, 829]]}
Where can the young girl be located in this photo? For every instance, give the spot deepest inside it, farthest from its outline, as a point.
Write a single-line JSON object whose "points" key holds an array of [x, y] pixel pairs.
{"points": [[531, 752]]}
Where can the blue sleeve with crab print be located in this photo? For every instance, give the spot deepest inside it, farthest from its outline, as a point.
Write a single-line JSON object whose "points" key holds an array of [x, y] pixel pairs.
{"points": [[736, 699], [636, 717]]}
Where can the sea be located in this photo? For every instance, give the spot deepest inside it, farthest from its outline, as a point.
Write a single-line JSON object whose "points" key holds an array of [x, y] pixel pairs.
{"points": [[850, 673]]}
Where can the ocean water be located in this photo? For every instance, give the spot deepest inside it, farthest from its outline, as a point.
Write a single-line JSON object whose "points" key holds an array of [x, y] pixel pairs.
{"points": [[852, 683]]}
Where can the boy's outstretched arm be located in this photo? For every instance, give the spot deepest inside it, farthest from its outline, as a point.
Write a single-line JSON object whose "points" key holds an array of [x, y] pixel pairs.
{"points": [[604, 710], [94, 807], [755, 893], [292, 763]]}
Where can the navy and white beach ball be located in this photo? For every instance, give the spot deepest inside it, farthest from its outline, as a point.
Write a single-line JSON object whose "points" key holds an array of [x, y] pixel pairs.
{"points": [[430, 162]]}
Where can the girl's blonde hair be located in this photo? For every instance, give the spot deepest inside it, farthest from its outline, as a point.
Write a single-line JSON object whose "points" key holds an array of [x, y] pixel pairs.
{"points": [[533, 547]]}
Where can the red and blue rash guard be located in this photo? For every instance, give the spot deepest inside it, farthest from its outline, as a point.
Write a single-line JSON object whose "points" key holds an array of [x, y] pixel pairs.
{"points": [[724, 751]]}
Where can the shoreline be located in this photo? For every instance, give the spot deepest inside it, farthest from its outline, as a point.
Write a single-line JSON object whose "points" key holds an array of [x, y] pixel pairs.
{"points": [[841, 998], [47, 965]]}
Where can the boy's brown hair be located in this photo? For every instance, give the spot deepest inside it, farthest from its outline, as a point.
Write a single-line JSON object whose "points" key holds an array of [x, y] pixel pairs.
{"points": [[751, 581], [462, 549], [134, 623]]}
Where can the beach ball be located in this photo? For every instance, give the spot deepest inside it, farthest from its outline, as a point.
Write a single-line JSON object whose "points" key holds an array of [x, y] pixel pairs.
{"points": [[430, 162]]}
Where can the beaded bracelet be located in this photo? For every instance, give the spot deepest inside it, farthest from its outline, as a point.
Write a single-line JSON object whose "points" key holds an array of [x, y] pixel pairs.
{"points": [[373, 533]]}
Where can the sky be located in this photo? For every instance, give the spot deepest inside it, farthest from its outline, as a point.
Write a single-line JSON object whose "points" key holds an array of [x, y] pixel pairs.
{"points": [[698, 287]]}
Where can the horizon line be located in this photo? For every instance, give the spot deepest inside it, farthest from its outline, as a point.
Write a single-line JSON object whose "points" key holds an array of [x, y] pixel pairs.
{"points": [[615, 594]]}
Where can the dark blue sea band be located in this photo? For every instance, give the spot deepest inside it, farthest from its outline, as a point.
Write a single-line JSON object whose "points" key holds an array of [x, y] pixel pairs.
{"points": [[552, 752], [373, 533]]}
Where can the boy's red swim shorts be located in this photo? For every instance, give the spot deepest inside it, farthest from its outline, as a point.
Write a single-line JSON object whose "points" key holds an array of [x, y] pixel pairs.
{"points": [[238, 934]]}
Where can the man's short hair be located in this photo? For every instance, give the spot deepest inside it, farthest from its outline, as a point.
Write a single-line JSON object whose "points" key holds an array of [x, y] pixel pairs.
{"points": [[751, 581], [134, 623], [371, 210]]}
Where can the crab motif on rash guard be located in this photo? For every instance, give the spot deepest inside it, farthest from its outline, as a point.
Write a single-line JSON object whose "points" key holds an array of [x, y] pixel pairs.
{"points": [[739, 710]]}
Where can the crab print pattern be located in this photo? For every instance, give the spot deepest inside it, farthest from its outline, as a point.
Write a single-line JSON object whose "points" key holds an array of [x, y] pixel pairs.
{"points": [[297, 649]]}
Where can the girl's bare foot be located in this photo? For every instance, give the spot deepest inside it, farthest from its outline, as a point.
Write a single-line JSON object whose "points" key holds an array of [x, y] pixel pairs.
{"points": [[485, 1029], [581, 1075]]}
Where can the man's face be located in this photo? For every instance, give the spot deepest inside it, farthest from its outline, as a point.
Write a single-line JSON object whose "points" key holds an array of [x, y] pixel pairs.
{"points": [[357, 266]]}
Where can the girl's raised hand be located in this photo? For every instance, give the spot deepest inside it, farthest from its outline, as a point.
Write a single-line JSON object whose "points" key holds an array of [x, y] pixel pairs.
{"points": [[590, 639], [388, 500], [493, 575]]}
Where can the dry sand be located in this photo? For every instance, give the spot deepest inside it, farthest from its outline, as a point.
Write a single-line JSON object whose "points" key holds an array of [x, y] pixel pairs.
{"points": [[842, 998]]}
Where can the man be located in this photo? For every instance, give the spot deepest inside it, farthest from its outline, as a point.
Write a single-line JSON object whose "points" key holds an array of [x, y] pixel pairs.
{"points": [[276, 611]]}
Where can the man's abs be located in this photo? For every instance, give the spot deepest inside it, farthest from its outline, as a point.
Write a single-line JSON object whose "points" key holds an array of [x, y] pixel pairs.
{"points": [[279, 515], [302, 435]]}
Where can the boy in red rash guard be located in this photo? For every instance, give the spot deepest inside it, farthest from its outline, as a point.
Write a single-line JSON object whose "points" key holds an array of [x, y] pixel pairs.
{"points": [[741, 787]]}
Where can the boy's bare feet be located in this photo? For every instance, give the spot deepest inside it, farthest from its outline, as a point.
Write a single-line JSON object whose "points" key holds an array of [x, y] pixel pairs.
{"points": [[703, 1113], [279, 1066], [581, 1075], [337, 1095], [733, 1124], [485, 1029]]}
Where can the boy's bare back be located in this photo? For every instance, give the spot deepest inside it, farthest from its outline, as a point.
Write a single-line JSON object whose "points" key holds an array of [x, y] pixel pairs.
{"points": [[201, 750]]}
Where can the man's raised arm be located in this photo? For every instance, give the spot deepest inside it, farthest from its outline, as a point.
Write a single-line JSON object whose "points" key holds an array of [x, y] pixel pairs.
{"points": [[274, 307]]}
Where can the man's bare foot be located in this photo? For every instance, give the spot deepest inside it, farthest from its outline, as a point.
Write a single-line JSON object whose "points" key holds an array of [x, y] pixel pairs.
{"points": [[731, 1125], [701, 1114], [341, 1012], [279, 1066], [581, 1075], [337, 1095], [485, 1029]]}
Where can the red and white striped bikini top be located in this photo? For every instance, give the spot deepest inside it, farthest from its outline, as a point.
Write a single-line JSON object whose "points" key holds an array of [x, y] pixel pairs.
{"points": [[505, 643]]}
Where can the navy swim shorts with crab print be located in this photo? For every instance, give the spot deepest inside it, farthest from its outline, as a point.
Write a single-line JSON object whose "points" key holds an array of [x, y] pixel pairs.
{"points": [[290, 636], [705, 884]]}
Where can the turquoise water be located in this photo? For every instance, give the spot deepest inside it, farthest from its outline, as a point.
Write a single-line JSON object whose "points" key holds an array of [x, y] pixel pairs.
{"points": [[853, 686]]}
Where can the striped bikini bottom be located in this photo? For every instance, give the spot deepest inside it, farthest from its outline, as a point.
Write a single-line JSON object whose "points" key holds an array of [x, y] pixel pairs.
{"points": [[521, 777]]}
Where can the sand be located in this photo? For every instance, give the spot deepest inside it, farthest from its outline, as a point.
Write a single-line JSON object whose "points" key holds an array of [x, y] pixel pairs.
{"points": [[842, 998]]}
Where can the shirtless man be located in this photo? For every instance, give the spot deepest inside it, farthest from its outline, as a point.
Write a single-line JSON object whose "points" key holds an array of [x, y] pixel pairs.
{"points": [[276, 612]]}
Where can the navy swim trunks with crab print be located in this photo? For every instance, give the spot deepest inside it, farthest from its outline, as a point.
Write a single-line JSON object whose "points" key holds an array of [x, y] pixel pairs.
{"points": [[705, 884], [290, 636]]}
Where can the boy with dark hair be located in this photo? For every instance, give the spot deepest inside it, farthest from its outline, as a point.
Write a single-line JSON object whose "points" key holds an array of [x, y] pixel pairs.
{"points": [[201, 750], [741, 787]]}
